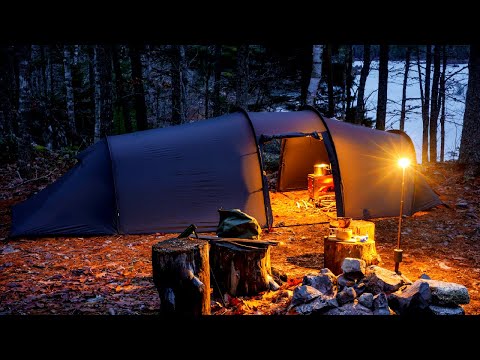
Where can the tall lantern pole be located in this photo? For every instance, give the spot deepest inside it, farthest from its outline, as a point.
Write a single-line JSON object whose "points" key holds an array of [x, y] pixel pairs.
{"points": [[397, 253]]}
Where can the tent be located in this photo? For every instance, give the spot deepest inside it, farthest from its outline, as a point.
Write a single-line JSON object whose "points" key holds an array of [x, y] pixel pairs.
{"points": [[164, 179]]}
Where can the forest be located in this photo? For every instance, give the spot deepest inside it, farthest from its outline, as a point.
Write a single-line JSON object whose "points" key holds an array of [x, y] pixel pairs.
{"points": [[66, 96]]}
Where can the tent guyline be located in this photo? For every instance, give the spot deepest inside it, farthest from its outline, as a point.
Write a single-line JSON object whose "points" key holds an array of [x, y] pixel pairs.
{"points": [[163, 180]]}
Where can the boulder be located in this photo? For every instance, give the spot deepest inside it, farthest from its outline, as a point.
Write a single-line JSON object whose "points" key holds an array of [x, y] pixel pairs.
{"points": [[425, 277], [380, 305], [443, 310], [318, 305], [378, 279], [414, 299], [366, 299], [448, 293], [342, 281], [360, 287], [325, 282], [303, 294], [346, 295], [353, 268], [350, 309]]}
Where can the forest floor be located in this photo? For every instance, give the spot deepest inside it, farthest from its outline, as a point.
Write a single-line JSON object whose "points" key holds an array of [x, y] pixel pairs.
{"points": [[113, 275]]}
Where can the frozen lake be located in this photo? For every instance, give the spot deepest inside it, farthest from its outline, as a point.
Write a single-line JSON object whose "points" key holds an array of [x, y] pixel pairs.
{"points": [[456, 89]]}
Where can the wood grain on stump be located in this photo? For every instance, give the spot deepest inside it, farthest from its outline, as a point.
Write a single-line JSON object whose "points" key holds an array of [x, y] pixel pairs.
{"points": [[336, 251], [181, 274], [241, 269]]}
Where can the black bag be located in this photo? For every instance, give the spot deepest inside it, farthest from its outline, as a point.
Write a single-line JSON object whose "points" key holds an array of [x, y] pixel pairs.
{"points": [[236, 224]]}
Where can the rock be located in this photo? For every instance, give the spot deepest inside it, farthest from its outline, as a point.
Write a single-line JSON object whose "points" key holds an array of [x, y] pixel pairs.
{"points": [[425, 277], [414, 299], [325, 282], [461, 204], [353, 268], [380, 305], [366, 299], [443, 310], [360, 288], [342, 281], [318, 305], [346, 295], [448, 293], [379, 280], [350, 309], [279, 274], [303, 294]]}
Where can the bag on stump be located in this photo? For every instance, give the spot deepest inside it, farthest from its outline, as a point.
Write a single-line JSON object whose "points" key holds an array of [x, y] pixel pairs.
{"points": [[234, 223]]}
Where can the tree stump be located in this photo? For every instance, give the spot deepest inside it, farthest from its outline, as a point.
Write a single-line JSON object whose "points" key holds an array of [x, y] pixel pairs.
{"points": [[181, 274], [334, 252], [241, 269]]}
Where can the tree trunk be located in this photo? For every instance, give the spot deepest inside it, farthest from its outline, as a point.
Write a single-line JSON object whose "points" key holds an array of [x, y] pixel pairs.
{"points": [[137, 79], [7, 84], [317, 52], [181, 274], [241, 83], [404, 89], [24, 109], [69, 96], [241, 269], [425, 108], [360, 111], [217, 81], [470, 142], [331, 103], [208, 73], [434, 104], [120, 87], [422, 102], [349, 116], [442, 100], [103, 92], [382, 88], [335, 252], [178, 85]]}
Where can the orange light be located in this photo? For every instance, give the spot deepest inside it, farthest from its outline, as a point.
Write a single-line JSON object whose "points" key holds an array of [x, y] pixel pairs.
{"points": [[403, 162]]}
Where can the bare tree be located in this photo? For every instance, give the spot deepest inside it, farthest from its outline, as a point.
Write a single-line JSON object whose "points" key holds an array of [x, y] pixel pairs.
{"points": [[442, 102], [349, 84], [470, 142], [424, 99], [404, 88], [217, 81], [242, 75], [69, 95], [329, 68], [137, 79], [382, 88], [102, 68], [178, 66], [360, 110], [317, 52], [434, 108], [24, 108], [120, 87]]}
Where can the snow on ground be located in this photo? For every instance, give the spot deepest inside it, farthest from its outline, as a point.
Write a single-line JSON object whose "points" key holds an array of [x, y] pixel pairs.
{"points": [[455, 103]]}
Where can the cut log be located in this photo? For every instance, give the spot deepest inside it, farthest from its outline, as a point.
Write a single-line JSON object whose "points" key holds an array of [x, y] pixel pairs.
{"points": [[181, 274], [239, 240], [241, 269], [334, 252]]}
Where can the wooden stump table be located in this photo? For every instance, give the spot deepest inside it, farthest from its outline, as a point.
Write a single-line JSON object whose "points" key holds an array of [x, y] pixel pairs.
{"points": [[335, 251], [181, 274], [242, 269]]}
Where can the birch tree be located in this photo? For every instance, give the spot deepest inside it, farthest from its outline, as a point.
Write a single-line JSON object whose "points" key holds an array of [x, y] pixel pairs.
{"points": [[442, 102], [102, 67], [178, 66], [434, 107], [317, 53]]}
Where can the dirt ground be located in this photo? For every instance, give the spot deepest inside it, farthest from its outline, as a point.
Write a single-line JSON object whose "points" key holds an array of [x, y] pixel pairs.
{"points": [[113, 275]]}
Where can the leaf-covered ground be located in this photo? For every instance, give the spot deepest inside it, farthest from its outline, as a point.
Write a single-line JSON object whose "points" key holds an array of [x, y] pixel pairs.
{"points": [[113, 275]]}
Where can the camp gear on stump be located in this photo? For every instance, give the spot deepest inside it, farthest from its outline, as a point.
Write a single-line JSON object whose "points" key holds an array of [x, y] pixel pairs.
{"points": [[234, 223]]}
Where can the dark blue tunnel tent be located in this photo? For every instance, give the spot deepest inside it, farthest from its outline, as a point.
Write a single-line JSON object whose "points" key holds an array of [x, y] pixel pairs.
{"points": [[163, 180]]}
